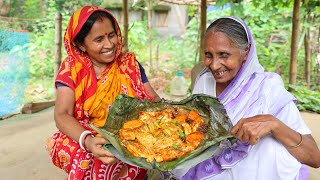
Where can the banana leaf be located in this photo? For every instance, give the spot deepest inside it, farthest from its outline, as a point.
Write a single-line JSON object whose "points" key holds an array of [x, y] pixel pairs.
{"points": [[127, 108]]}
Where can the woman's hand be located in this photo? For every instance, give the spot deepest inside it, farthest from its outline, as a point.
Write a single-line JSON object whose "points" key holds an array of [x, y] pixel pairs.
{"points": [[94, 145], [253, 128]]}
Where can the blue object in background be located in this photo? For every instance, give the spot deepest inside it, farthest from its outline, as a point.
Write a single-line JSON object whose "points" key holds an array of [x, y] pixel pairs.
{"points": [[14, 70]]}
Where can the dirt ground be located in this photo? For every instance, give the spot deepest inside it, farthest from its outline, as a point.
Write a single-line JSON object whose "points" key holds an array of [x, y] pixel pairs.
{"points": [[23, 155]]}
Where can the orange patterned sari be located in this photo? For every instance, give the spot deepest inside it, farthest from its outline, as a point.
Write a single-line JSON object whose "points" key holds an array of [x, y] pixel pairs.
{"points": [[93, 98]]}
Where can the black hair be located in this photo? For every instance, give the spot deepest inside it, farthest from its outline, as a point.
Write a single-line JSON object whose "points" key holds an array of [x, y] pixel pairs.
{"points": [[84, 31], [232, 29]]}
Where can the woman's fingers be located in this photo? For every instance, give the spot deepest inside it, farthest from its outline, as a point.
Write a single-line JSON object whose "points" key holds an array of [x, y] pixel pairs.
{"points": [[105, 156], [96, 147], [103, 152], [94, 142], [245, 137], [100, 140], [108, 160], [236, 128], [247, 130], [254, 140]]}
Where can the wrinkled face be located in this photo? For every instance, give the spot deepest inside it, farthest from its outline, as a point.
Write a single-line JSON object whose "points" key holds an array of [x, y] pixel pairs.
{"points": [[222, 57], [101, 43]]}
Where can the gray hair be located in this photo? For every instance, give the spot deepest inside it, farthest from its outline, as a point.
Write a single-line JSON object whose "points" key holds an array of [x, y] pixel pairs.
{"points": [[232, 29]]}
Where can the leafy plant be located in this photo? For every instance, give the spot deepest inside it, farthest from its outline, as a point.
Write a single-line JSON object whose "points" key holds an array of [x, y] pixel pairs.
{"points": [[308, 100]]}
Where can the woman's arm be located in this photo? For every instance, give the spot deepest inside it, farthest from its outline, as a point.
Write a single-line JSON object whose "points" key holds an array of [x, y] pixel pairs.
{"points": [[66, 123], [253, 128], [303, 147], [63, 113], [147, 85], [151, 91]]}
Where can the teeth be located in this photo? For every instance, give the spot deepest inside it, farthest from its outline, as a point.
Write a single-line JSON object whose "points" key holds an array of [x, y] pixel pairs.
{"points": [[220, 73], [109, 52]]}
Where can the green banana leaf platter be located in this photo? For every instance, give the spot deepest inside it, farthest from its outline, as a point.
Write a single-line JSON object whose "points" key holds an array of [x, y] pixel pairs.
{"points": [[127, 108]]}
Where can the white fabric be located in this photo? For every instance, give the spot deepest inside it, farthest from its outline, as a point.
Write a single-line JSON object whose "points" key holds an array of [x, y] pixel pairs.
{"points": [[269, 160], [254, 92]]}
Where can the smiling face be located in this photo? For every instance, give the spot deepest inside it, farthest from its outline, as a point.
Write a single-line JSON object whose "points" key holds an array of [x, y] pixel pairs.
{"points": [[223, 58], [101, 43]]}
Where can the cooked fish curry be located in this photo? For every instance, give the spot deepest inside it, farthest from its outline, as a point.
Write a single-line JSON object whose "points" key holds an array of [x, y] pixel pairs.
{"points": [[163, 135]]}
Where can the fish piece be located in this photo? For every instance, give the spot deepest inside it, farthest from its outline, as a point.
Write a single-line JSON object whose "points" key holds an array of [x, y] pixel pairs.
{"points": [[138, 150], [132, 124], [126, 134], [195, 138]]}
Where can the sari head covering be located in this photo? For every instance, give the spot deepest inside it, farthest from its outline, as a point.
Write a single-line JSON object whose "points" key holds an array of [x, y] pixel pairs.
{"points": [[251, 92], [93, 98], [249, 67]]}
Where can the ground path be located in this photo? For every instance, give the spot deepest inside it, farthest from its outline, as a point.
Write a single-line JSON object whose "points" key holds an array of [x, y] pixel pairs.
{"points": [[23, 155]]}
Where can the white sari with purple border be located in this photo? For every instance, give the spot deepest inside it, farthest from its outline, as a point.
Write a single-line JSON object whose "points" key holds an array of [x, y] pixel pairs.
{"points": [[250, 93]]}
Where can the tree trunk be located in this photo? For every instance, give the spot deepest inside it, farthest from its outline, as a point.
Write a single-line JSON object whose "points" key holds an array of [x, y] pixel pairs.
{"points": [[42, 8], [150, 34], [4, 7], [294, 42], [307, 51], [203, 25], [58, 43], [125, 26]]}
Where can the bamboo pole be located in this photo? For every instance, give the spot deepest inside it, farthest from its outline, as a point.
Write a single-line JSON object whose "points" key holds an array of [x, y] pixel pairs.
{"points": [[307, 51], [149, 6], [58, 42], [203, 25], [125, 25], [294, 42]]}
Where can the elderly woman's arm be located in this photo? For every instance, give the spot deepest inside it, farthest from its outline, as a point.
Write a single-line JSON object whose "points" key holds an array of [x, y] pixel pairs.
{"points": [[302, 147], [252, 129]]}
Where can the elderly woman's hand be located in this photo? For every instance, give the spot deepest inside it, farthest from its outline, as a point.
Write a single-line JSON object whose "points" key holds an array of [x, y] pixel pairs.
{"points": [[94, 145], [253, 128]]}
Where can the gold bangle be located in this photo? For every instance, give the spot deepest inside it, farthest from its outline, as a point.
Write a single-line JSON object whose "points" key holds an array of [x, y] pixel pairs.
{"points": [[301, 140]]}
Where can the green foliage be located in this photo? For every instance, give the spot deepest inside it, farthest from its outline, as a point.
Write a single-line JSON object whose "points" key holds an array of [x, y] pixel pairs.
{"points": [[42, 45], [173, 52], [15, 7], [192, 10], [138, 39], [33, 9], [269, 21], [307, 100], [179, 54], [272, 34]]}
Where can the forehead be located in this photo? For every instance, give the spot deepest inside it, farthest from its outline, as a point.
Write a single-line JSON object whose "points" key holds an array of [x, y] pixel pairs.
{"points": [[102, 25], [218, 40]]}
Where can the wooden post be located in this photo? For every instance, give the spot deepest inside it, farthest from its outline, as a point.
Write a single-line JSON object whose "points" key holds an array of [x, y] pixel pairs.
{"points": [[149, 6], [203, 25], [294, 42], [58, 42], [125, 26], [307, 48]]}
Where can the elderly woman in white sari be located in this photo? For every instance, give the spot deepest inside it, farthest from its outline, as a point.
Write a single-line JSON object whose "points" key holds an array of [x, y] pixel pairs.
{"points": [[273, 140]]}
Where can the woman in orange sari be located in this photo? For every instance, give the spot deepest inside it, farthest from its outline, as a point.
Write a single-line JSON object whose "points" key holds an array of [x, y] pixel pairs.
{"points": [[89, 79]]}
